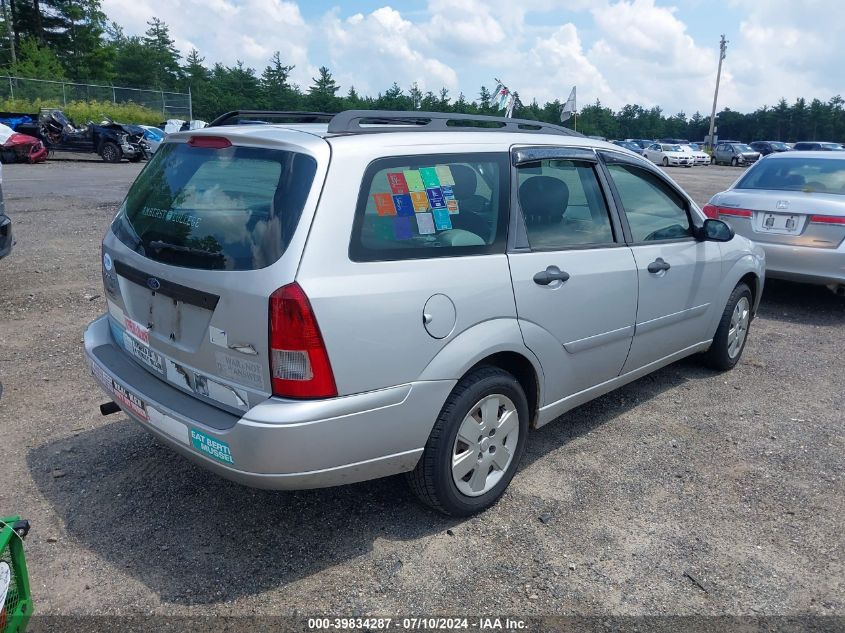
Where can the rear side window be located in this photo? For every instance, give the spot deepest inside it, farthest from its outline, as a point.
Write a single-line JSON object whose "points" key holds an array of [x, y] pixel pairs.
{"points": [[562, 205], [443, 205], [234, 208]]}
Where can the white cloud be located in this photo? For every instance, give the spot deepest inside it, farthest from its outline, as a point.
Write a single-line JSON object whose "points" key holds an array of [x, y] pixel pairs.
{"points": [[372, 51], [619, 51], [786, 49]]}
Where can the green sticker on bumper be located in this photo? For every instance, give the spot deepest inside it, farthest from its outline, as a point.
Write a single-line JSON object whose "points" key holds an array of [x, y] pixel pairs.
{"points": [[211, 447]]}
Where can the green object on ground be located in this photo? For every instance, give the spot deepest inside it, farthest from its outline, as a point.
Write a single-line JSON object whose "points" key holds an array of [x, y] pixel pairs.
{"points": [[17, 607]]}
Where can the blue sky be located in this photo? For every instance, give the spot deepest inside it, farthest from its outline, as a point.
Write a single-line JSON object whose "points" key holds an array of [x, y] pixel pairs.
{"points": [[651, 52]]}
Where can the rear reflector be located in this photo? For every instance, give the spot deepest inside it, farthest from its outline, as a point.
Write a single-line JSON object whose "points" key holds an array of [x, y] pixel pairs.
{"points": [[209, 142], [299, 362], [827, 219], [712, 211]]}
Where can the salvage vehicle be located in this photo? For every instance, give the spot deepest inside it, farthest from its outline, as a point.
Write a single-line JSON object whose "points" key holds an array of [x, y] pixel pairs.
{"points": [[111, 141], [793, 205], [301, 305], [7, 240], [20, 148]]}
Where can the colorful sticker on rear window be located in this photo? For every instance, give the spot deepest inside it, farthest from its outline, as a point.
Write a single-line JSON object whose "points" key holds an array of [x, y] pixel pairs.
{"points": [[403, 205], [413, 180], [435, 198], [425, 223], [442, 221], [402, 229], [384, 204], [453, 207], [211, 447], [448, 191], [444, 174], [397, 183], [429, 177], [420, 201]]}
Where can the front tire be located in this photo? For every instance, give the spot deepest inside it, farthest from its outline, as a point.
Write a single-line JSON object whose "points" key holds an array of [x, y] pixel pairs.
{"points": [[734, 162], [732, 333], [665, 162], [475, 446], [110, 152]]}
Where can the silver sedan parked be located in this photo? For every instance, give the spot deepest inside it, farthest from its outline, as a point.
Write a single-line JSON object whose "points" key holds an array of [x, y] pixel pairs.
{"points": [[793, 205]]}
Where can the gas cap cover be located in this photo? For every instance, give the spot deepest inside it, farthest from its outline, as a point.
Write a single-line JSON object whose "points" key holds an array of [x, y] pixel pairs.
{"points": [[439, 316]]}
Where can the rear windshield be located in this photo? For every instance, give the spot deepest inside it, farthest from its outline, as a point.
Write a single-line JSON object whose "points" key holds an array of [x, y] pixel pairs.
{"points": [[816, 175], [225, 209]]}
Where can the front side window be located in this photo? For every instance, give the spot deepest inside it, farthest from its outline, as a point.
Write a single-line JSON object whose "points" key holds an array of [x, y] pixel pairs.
{"points": [[443, 205], [562, 205], [233, 208], [653, 209]]}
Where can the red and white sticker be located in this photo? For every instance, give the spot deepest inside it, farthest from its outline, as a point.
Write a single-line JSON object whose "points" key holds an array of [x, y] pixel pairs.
{"points": [[137, 330]]}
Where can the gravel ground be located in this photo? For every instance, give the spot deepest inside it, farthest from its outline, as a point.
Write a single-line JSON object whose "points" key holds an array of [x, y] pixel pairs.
{"points": [[686, 492]]}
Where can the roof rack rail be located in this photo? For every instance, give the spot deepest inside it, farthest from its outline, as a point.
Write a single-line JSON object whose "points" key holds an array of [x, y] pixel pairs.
{"points": [[379, 121], [234, 117]]}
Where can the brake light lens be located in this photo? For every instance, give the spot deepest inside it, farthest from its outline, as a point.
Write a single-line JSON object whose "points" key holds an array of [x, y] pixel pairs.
{"points": [[827, 219], [209, 142], [712, 211], [299, 362]]}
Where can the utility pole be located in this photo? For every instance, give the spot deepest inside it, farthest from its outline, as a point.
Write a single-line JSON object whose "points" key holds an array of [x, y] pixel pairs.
{"points": [[10, 29], [723, 46]]}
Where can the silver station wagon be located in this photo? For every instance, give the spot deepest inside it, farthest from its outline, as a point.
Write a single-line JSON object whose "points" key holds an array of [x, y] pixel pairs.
{"points": [[325, 300]]}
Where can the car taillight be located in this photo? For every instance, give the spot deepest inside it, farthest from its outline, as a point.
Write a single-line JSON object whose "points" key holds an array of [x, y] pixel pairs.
{"points": [[210, 142], [712, 211], [299, 362], [827, 219]]}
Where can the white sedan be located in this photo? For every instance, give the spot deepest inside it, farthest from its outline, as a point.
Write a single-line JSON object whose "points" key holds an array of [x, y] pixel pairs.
{"points": [[699, 157], [668, 155]]}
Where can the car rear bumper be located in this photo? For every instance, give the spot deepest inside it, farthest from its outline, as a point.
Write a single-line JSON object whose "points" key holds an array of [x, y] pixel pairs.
{"points": [[805, 264], [281, 444]]}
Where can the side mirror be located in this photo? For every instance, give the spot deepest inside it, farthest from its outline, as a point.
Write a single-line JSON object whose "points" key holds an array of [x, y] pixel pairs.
{"points": [[716, 231]]}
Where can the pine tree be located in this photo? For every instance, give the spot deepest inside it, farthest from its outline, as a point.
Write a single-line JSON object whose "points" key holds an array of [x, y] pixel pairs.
{"points": [[278, 93], [322, 95], [163, 55]]}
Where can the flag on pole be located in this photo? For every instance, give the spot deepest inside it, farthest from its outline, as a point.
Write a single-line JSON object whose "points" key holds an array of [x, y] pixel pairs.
{"points": [[569, 107]]}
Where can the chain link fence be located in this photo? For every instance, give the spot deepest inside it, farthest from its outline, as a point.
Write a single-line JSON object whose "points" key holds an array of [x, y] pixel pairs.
{"points": [[172, 105]]}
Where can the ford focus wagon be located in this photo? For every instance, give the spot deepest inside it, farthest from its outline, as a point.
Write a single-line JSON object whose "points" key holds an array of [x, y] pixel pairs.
{"points": [[326, 300]]}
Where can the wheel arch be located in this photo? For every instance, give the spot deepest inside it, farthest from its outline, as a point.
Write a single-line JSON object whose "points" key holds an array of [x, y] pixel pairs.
{"points": [[523, 370], [497, 342]]}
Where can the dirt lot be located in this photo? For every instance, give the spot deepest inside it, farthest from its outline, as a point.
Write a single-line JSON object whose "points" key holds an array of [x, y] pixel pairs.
{"points": [[687, 492]]}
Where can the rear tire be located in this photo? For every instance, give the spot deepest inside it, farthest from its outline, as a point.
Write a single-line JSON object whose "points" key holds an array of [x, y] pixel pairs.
{"points": [[475, 446], [732, 333], [110, 152]]}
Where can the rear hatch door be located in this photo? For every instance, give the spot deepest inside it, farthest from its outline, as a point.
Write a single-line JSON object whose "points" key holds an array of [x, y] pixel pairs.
{"points": [[212, 226]]}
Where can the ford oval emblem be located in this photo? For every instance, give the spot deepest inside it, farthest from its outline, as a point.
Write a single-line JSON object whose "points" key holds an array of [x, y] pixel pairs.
{"points": [[153, 283]]}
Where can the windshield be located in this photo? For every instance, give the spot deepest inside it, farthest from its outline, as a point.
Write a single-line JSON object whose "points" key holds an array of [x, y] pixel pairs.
{"points": [[813, 175], [694, 146], [741, 147], [231, 209], [672, 148], [831, 145], [777, 145]]}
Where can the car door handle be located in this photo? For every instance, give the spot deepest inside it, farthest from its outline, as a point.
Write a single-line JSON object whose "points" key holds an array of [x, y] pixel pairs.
{"points": [[658, 265], [552, 273]]}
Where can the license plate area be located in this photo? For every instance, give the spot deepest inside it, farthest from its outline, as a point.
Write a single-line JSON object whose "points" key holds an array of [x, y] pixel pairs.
{"points": [[778, 223]]}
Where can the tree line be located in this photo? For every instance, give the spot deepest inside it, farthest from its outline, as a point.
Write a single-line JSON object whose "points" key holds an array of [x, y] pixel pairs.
{"points": [[74, 40]]}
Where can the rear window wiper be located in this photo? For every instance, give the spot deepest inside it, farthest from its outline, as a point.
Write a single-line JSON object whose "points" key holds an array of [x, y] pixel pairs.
{"points": [[158, 245]]}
